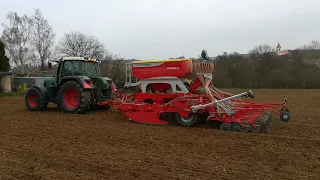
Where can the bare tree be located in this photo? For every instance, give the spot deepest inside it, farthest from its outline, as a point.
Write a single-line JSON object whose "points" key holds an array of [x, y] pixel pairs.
{"points": [[262, 50], [16, 37], [79, 44], [43, 38], [262, 58], [113, 66], [314, 45]]}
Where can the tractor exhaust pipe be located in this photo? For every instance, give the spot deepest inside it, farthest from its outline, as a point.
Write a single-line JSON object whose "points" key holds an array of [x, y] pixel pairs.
{"points": [[195, 108]]}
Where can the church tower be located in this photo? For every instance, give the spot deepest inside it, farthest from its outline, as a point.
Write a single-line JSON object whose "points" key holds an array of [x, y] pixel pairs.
{"points": [[278, 48]]}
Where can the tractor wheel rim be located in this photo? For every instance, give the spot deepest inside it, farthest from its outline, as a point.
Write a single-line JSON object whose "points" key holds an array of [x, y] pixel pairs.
{"points": [[71, 98], [32, 99]]}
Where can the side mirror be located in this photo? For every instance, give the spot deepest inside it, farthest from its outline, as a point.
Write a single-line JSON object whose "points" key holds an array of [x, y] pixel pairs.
{"points": [[50, 65]]}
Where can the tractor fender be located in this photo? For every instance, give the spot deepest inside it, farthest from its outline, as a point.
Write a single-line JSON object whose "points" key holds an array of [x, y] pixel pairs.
{"points": [[42, 89], [82, 80], [106, 82]]}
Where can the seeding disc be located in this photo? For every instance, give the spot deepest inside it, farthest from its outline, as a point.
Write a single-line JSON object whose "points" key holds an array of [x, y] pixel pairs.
{"points": [[268, 124], [256, 129], [258, 126], [246, 127]]}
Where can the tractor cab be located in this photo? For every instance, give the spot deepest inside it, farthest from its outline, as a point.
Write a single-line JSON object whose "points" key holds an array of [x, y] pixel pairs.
{"points": [[77, 66]]}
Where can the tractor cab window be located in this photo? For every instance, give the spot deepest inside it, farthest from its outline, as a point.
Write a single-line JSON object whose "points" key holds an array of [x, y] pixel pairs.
{"points": [[81, 68], [92, 69], [71, 68], [67, 70]]}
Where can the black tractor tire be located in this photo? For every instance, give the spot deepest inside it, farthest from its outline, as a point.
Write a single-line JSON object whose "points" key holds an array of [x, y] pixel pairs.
{"points": [[73, 98], [35, 100], [191, 121]]}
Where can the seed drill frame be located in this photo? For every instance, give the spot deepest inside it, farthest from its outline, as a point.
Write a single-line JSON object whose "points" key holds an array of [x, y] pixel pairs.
{"points": [[165, 94]]}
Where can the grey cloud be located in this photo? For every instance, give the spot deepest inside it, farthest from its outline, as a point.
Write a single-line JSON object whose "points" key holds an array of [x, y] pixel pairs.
{"points": [[156, 29]]}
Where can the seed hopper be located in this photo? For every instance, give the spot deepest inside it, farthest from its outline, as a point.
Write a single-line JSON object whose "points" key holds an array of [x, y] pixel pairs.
{"points": [[166, 93]]}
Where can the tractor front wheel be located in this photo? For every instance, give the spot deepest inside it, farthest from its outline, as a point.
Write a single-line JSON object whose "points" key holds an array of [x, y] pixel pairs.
{"points": [[191, 120], [73, 98], [35, 100]]}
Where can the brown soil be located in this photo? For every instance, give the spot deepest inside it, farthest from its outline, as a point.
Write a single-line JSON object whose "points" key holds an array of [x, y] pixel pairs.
{"points": [[105, 145]]}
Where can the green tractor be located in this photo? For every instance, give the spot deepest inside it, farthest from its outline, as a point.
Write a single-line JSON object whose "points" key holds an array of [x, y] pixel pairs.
{"points": [[76, 87]]}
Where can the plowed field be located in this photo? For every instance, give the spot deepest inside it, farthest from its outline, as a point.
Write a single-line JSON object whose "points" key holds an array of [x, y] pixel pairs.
{"points": [[105, 145]]}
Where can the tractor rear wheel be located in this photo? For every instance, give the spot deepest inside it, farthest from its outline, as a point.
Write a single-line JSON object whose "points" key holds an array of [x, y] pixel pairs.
{"points": [[73, 98], [191, 120], [35, 100]]}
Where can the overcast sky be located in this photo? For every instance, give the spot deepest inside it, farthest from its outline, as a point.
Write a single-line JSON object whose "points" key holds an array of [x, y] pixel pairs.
{"points": [[157, 29]]}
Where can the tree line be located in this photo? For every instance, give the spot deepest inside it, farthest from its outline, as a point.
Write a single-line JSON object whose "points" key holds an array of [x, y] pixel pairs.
{"points": [[262, 67], [29, 42]]}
